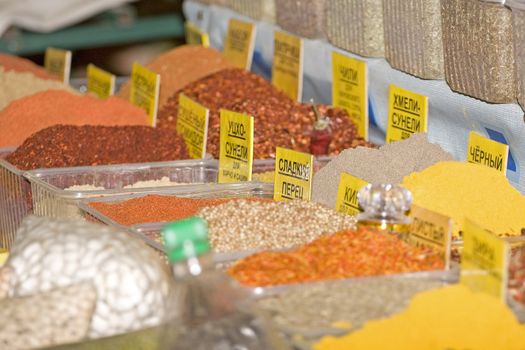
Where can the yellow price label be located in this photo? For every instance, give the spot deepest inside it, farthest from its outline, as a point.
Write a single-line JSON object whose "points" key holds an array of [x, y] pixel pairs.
{"points": [[192, 125], [287, 67], [487, 152], [100, 82], [484, 261], [4, 254], [144, 94], [350, 89], [195, 36], [431, 230], [236, 147], [239, 43], [407, 114], [293, 175], [349, 186], [58, 62]]}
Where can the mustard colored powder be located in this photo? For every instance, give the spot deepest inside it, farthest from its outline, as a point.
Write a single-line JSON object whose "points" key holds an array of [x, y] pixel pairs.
{"points": [[463, 190], [452, 317]]}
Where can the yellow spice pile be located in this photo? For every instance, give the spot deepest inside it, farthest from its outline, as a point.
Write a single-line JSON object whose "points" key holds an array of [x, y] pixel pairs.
{"points": [[447, 318], [463, 190]]}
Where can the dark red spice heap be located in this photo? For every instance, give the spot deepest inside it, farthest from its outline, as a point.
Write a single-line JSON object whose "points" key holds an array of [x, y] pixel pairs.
{"points": [[69, 145], [279, 121]]}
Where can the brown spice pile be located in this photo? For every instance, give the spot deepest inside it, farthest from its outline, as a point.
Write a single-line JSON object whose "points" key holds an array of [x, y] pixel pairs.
{"points": [[181, 66], [68, 146], [155, 208], [19, 64], [279, 121], [23, 117]]}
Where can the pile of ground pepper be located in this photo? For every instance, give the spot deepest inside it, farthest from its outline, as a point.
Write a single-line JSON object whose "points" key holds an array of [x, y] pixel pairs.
{"points": [[25, 116], [451, 317], [19, 64], [388, 164], [346, 254], [462, 190], [181, 66], [154, 208], [68, 146], [279, 121], [15, 85]]}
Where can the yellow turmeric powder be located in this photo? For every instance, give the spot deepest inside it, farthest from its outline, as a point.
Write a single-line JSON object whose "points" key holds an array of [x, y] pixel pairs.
{"points": [[453, 317], [463, 190]]}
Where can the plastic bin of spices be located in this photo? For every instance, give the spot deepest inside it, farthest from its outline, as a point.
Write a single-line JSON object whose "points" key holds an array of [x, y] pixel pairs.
{"points": [[413, 37], [356, 26], [518, 19], [15, 199], [57, 192], [262, 10], [479, 50], [304, 18]]}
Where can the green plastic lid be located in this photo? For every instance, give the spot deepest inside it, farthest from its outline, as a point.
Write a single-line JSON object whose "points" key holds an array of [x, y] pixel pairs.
{"points": [[186, 238]]}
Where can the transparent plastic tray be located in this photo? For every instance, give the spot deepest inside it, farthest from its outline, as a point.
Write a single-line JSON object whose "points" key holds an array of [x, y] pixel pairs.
{"points": [[15, 199], [150, 232], [51, 197]]}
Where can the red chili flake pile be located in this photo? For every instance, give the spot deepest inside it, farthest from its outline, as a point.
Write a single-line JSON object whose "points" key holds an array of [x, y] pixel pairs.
{"points": [[279, 121], [155, 208], [25, 116], [346, 254], [19, 64], [68, 146], [516, 283]]}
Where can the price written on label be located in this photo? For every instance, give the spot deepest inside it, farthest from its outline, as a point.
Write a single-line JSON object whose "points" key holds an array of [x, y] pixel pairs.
{"points": [[287, 68], [239, 43], [58, 62], [293, 175], [347, 201], [431, 230], [350, 89], [192, 125], [487, 152], [407, 114], [195, 36], [100, 82], [144, 94], [484, 261], [236, 147]]}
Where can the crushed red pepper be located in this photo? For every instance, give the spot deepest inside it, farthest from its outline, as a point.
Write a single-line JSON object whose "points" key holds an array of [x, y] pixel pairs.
{"points": [[68, 145], [155, 208], [346, 254]]}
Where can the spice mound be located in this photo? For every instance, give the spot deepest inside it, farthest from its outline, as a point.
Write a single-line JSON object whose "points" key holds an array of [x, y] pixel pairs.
{"points": [[346, 254], [19, 64], [25, 116], [279, 121], [154, 208], [14, 85], [245, 225], [319, 309], [452, 317], [388, 164], [462, 190], [67, 146], [181, 66]]}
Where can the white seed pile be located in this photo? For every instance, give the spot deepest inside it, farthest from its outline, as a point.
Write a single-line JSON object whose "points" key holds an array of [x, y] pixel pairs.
{"points": [[60, 316], [388, 164], [312, 310], [241, 225]]}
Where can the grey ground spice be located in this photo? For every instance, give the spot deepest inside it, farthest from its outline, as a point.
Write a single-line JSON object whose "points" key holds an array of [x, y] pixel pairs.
{"points": [[302, 17], [311, 310], [356, 26], [518, 17], [413, 37], [479, 51], [388, 164]]}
